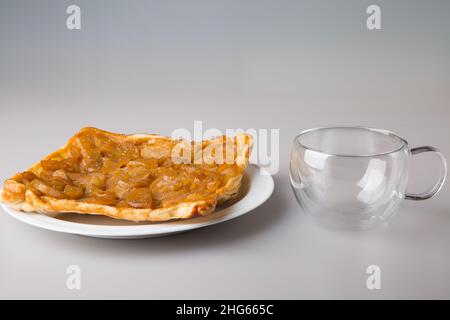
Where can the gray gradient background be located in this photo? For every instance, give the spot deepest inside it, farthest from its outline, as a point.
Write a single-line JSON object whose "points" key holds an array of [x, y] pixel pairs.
{"points": [[154, 66]]}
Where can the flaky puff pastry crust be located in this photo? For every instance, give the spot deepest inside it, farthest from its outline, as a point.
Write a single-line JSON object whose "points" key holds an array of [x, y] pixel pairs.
{"points": [[21, 197]]}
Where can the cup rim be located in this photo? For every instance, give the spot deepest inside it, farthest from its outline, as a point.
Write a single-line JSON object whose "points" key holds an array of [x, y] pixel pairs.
{"points": [[404, 142]]}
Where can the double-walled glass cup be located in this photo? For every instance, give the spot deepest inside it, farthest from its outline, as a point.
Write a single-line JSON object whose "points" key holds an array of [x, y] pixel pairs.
{"points": [[354, 177]]}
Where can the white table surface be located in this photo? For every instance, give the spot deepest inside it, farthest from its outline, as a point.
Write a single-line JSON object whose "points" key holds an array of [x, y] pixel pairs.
{"points": [[291, 66]]}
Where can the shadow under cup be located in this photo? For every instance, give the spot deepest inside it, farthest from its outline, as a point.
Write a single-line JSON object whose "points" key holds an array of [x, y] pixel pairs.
{"points": [[353, 177]]}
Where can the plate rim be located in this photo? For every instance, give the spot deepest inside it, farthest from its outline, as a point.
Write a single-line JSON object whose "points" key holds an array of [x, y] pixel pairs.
{"points": [[254, 172]]}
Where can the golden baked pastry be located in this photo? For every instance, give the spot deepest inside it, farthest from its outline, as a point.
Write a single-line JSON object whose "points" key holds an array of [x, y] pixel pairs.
{"points": [[134, 177]]}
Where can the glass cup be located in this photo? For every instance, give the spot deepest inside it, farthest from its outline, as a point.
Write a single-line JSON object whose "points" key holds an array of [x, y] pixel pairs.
{"points": [[354, 177]]}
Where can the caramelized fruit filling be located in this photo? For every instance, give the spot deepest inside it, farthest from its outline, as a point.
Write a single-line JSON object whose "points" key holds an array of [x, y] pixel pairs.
{"points": [[97, 168]]}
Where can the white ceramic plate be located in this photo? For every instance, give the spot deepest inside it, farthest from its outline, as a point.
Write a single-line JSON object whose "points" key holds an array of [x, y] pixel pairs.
{"points": [[257, 186]]}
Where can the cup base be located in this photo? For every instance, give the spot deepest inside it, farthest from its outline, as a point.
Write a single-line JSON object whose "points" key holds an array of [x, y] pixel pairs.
{"points": [[335, 221]]}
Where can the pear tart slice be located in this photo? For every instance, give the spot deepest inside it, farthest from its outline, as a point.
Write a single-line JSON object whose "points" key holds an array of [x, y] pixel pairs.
{"points": [[134, 177]]}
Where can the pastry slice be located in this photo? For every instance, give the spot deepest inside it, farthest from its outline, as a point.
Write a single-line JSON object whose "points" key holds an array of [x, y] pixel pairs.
{"points": [[133, 177]]}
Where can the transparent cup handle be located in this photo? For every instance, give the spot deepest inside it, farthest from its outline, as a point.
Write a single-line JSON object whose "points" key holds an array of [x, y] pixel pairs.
{"points": [[430, 193]]}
